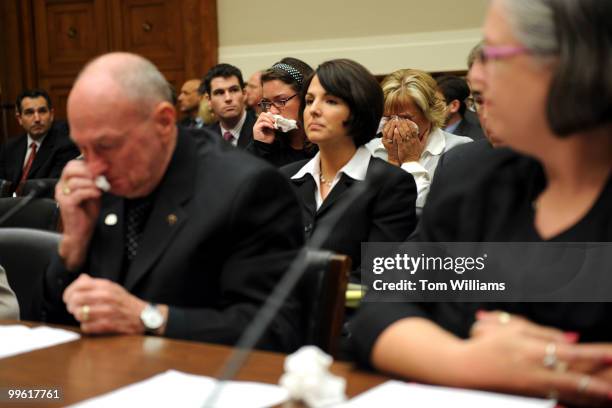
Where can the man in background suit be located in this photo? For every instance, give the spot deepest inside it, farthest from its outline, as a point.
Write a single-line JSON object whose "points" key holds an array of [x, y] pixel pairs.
{"points": [[192, 236], [189, 104], [456, 91], [223, 88], [44, 149]]}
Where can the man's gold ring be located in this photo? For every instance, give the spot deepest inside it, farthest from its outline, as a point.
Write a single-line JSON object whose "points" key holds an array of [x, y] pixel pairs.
{"points": [[66, 190], [84, 313]]}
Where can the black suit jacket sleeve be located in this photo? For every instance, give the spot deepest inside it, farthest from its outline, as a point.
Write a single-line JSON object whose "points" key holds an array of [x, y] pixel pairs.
{"points": [[393, 216], [266, 229]]}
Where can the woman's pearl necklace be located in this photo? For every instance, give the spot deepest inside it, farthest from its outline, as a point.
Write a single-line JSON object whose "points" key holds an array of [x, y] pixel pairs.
{"points": [[328, 183]]}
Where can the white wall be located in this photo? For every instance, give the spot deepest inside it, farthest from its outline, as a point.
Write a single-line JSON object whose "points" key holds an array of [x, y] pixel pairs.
{"points": [[384, 35]]}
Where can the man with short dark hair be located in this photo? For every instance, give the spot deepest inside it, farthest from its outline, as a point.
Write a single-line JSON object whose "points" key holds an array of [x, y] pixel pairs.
{"points": [[223, 87], [44, 149], [189, 104], [456, 92], [167, 231]]}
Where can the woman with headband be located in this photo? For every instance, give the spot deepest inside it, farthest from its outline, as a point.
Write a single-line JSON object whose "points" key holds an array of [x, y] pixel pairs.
{"points": [[278, 135]]}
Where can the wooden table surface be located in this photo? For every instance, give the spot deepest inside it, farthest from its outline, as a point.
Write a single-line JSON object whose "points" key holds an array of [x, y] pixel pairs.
{"points": [[95, 365]]}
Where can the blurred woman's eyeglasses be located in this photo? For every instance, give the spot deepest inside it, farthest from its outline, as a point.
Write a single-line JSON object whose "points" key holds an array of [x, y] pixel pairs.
{"points": [[489, 52]]}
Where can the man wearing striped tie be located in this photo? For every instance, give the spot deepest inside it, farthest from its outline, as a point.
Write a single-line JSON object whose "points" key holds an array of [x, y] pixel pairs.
{"points": [[223, 88], [44, 149]]}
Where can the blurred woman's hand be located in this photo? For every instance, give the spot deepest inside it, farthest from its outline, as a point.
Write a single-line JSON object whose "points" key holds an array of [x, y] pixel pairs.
{"points": [[509, 361], [553, 365], [488, 322], [264, 130]]}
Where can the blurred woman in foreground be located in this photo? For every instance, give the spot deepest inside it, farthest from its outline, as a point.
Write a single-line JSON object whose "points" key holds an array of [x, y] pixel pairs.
{"points": [[548, 92]]}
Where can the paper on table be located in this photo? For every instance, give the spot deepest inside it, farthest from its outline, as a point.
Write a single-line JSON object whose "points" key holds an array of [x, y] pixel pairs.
{"points": [[177, 389], [399, 394], [17, 339]]}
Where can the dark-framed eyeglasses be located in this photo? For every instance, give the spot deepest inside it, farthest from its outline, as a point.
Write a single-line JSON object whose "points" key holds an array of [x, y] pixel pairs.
{"points": [[279, 104]]}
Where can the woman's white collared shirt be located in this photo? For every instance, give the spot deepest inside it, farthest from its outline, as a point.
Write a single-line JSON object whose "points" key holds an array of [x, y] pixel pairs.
{"points": [[356, 168]]}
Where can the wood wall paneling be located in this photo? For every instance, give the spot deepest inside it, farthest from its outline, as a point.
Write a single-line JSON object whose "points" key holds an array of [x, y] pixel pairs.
{"points": [[11, 74], [175, 78], [68, 34], [152, 29], [200, 36], [49, 41], [58, 89]]}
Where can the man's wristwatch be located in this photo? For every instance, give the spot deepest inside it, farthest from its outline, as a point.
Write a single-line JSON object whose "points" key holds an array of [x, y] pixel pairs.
{"points": [[151, 318]]}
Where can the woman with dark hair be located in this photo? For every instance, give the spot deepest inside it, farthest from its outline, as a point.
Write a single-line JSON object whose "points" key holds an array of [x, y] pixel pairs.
{"points": [[278, 135], [342, 108], [549, 96]]}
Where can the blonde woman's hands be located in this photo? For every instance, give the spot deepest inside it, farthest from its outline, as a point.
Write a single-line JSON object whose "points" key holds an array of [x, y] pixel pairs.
{"points": [[388, 140], [409, 145], [402, 142]]}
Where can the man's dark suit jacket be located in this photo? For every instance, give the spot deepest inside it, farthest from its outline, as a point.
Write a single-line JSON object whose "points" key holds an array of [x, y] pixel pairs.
{"points": [[223, 228], [459, 157], [385, 212], [470, 127], [246, 133], [55, 151]]}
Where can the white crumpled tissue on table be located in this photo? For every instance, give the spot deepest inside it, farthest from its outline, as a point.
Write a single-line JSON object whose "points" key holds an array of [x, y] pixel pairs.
{"points": [[307, 378]]}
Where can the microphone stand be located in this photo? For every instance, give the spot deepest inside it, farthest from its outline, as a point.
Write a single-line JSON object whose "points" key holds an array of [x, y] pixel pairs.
{"points": [[262, 319], [34, 192]]}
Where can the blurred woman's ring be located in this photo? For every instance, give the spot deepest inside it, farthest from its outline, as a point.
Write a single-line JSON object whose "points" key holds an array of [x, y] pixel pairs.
{"points": [[550, 357], [584, 382], [65, 189], [504, 318]]}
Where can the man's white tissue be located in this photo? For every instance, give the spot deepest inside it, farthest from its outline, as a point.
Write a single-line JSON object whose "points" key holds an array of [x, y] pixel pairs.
{"points": [[307, 378], [102, 183]]}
